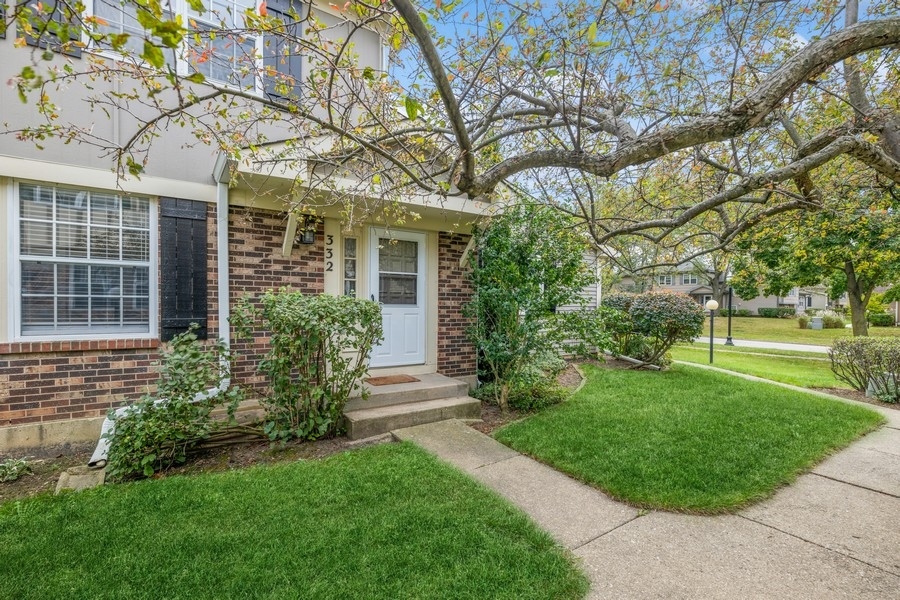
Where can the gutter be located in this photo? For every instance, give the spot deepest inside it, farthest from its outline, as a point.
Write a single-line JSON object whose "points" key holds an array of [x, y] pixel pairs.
{"points": [[222, 177]]}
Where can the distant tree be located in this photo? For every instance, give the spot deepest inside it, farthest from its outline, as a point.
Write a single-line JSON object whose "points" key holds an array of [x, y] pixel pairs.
{"points": [[853, 242]]}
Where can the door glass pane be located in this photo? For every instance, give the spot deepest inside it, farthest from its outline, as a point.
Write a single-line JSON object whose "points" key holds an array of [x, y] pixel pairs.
{"points": [[398, 256], [397, 289]]}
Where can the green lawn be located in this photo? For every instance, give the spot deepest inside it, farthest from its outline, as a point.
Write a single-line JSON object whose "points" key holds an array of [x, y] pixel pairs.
{"points": [[687, 439], [384, 522], [786, 330], [803, 369]]}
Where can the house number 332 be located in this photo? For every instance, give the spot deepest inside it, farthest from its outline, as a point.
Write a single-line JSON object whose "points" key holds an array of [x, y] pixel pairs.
{"points": [[329, 253]]}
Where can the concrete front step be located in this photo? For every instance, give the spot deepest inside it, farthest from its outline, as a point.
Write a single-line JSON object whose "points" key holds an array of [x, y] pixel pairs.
{"points": [[431, 386], [375, 421]]}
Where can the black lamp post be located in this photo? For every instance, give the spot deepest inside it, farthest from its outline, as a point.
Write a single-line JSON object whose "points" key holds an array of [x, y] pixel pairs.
{"points": [[711, 306], [728, 341]]}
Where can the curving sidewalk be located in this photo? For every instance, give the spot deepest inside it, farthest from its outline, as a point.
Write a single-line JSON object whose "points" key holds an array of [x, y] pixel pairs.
{"points": [[834, 533], [765, 345]]}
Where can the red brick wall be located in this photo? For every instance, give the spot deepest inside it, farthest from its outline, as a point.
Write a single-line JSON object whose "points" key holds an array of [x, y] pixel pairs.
{"points": [[256, 264], [73, 383], [456, 355]]}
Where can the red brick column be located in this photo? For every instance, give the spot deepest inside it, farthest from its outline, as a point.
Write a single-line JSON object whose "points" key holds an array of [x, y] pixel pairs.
{"points": [[456, 355]]}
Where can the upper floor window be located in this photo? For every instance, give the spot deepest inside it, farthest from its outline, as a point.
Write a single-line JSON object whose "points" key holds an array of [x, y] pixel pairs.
{"points": [[218, 49], [51, 24], [84, 262], [223, 51], [664, 279], [689, 279]]}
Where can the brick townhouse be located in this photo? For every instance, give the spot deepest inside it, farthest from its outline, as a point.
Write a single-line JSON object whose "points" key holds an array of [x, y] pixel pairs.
{"points": [[100, 272]]}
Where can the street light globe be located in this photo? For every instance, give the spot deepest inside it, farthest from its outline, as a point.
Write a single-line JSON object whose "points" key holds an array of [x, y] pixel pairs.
{"points": [[712, 305]]}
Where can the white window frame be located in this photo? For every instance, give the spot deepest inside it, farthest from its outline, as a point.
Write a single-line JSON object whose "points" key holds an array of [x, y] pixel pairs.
{"points": [[15, 282], [689, 279], [665, 280]]}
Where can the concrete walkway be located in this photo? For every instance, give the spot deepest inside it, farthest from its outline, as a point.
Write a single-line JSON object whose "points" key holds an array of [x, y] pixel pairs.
{"points": [[765, 345], [835, 533]]}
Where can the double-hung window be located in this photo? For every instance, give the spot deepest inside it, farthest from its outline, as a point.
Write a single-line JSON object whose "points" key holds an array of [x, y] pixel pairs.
{"points": [[118, 17], [219, 48], [664, 279], [689, 279], [84, 262]]}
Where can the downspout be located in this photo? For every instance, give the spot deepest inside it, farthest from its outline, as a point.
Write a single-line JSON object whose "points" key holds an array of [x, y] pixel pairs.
{"points": [[222, 177]]}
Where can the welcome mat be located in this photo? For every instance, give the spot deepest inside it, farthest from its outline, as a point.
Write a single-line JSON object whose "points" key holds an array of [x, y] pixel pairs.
{"points": [[391, 379]]}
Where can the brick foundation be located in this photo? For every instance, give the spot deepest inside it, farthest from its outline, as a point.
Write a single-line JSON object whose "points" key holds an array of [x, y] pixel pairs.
{"points": [[53, 386], [456, 354]]}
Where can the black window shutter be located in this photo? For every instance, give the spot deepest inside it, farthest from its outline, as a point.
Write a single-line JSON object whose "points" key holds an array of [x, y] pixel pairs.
{"points": [[183, 266], [2, 19], [282, 56], [49, 35]]}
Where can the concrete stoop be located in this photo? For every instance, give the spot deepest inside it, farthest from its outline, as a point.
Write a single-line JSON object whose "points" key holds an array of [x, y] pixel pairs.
{"points": [[433, 398]]}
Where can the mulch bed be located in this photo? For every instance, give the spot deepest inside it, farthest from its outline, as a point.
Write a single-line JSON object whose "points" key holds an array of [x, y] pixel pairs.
{"points": [[492, 418], [858, 396]]}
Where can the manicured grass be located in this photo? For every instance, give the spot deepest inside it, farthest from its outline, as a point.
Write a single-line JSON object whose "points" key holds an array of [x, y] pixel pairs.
{"points": [[385, 522], [687, 439], [808, 370], [786, 330], [752, 350]]}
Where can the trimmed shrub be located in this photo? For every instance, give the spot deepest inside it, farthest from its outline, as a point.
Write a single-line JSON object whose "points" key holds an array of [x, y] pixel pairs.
{"points": [[624, 340], [620, 301], [832, 322], [663, 319], [803, 321], [782, 312], [863, 362], [319, 351], [880, 319], [743, 312]]}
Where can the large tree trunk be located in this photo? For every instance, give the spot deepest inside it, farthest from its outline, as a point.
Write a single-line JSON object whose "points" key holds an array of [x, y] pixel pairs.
{"points": [[859, 295]]}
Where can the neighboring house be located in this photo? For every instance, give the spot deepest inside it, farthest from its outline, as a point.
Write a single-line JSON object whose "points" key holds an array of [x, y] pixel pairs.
{"points": [[800, 299], [685, 279], [100, 272]]}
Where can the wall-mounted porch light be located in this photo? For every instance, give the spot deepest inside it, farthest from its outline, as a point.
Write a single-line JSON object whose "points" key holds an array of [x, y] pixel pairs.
{"points": [[306, 233]]}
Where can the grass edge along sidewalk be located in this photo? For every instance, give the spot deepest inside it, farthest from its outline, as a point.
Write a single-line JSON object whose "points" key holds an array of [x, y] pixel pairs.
{"points": [[389, 521], [795, 368], [687, 440]]}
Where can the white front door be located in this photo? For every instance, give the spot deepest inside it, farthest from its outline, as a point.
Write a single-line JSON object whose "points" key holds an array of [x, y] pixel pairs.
{"points": [[397, 281]]}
